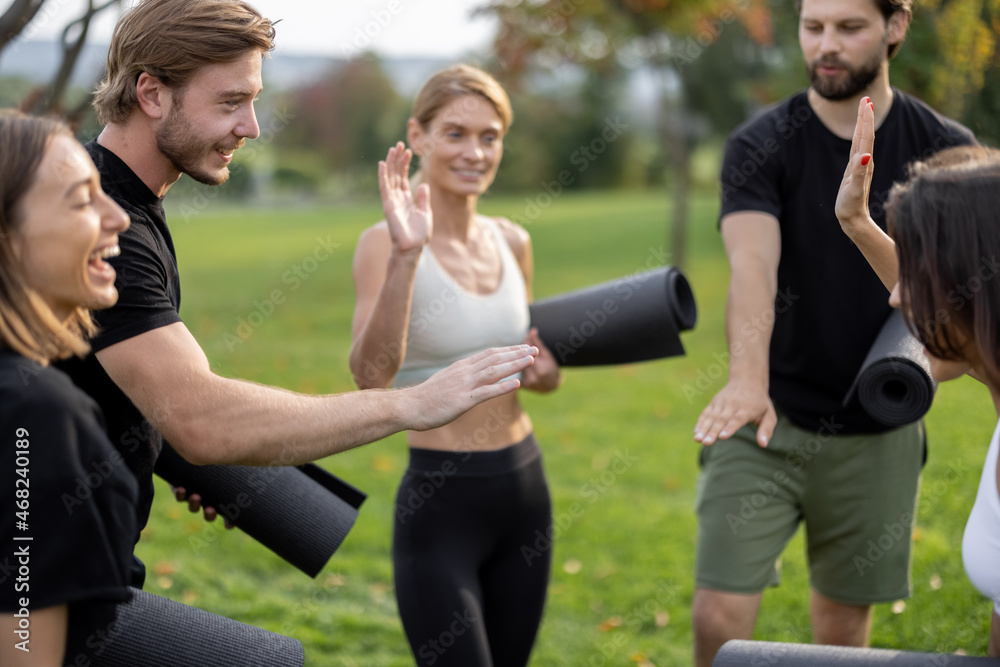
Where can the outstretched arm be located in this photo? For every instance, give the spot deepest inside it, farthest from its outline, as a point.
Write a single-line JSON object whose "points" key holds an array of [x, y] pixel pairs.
{"points": [[852, 201], [385, 263], [211, 419], [753, 244]]}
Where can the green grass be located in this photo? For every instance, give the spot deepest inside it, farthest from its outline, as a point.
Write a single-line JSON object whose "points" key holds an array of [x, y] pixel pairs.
{"points": [[634, 541]]}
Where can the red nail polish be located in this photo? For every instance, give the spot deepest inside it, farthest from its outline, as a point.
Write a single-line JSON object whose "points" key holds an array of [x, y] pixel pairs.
{"points": [[865, 159], [872, 106]]}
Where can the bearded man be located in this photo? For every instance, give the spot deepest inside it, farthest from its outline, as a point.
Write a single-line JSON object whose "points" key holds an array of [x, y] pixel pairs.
{"points": [[803, 310]]}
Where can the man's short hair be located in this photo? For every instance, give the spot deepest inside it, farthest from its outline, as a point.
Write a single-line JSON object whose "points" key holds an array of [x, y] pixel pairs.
{"points": [[171, 40], [888, 8]]}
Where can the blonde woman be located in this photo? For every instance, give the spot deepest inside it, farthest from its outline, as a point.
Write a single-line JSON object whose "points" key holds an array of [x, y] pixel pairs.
{"points": [[432, 288]]}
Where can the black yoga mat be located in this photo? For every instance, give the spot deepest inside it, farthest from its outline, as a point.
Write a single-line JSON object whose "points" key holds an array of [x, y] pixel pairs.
{"points": [[300, 513], [635, 318], [894, 384], [741, 652], [153, 631]]}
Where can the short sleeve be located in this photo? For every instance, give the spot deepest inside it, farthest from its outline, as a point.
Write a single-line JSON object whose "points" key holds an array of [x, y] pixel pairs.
{"points": [[80, 509], [751, 170], [143, 283]]}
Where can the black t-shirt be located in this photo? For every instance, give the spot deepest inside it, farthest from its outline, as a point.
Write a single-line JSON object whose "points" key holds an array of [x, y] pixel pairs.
{"points": [[830, 305], [149, 297], [64, 486]]}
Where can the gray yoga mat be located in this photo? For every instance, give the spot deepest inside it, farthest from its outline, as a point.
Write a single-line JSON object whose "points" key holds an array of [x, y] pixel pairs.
{"points": [[741, 652], [635, 318], [153, 631], [894, 384], [300, 513]]}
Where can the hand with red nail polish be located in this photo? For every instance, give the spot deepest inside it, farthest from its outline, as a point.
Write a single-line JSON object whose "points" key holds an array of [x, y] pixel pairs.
{"points": [[852, 199]]}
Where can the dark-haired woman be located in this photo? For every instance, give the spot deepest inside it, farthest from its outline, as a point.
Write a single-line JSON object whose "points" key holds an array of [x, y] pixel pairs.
{"points": [[941, 223], [68, 502]]}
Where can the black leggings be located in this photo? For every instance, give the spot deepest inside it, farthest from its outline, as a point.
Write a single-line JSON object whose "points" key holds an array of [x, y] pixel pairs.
{"points": [[470, 582]]}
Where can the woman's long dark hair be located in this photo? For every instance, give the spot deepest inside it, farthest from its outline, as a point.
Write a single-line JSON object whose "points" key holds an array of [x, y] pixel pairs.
{"points": [[946, 223]]}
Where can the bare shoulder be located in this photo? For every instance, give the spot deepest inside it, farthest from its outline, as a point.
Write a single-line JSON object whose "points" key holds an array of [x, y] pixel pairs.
{"points": [[517, 237], [377, 234], [373, 248]]}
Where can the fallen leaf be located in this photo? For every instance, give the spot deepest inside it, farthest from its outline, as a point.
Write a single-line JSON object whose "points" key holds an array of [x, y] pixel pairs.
{"points": [[165, 567], [166, 583], [935, 582], [335, 580], [960, 651], [662, 619], [572, 566], [383, 463], [918, 534], [898, 606], [190, 596], [610, 623]]}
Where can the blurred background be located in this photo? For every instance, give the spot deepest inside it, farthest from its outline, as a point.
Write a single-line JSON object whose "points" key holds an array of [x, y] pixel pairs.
{"points": [[679, 75]]}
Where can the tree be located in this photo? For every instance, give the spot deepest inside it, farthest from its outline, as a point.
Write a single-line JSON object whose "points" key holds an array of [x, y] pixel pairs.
{"points": [[671, 36], [351, 117], [50, 99]]}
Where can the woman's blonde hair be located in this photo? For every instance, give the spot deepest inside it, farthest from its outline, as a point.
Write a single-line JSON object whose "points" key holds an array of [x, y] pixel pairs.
{"points": [[171, 40], [27, 324], [457, 81], [454, 83]]}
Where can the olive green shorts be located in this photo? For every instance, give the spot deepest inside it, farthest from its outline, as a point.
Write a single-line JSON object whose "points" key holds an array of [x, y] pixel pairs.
{"points": [[856, 494]]}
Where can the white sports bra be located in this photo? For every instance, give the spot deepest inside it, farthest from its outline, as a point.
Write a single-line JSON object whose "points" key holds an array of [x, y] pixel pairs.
{"points": [[448, 323]]}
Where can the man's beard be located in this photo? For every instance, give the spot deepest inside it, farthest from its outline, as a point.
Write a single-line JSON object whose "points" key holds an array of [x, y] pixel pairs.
{"points": [[858, 78], [179, 143]]}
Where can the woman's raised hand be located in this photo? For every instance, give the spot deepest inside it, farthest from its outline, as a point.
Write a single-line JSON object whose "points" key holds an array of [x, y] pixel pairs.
{"points": [[408, 214], [852, 199]]}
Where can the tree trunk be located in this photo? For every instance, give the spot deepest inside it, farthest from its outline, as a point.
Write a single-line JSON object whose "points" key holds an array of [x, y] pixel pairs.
{"points": [[17, 16]]}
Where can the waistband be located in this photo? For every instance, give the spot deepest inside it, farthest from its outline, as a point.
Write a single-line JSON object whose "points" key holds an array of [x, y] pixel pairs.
{"points": [[488, 462]]}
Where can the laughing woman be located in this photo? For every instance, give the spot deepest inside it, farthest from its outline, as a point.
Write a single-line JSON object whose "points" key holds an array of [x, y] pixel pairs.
{"points": [[61, 480], [940, 224], [430, 291]]}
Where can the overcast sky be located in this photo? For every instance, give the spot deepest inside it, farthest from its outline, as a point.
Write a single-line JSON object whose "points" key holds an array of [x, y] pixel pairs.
{"points": [[331, 27]]}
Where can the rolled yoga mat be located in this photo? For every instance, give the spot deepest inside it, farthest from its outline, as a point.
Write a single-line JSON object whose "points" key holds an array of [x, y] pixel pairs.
{"points": [[635, 318], [741, 652], [153, 631], [300, 513], [894, 384]]}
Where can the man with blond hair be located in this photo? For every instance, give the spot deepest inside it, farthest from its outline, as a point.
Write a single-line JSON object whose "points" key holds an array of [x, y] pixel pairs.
{"points": [[803, 310], [178, 97]]}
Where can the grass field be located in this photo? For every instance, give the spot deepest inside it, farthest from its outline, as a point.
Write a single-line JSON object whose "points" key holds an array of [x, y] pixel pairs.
{"points": [[622, 577]]}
